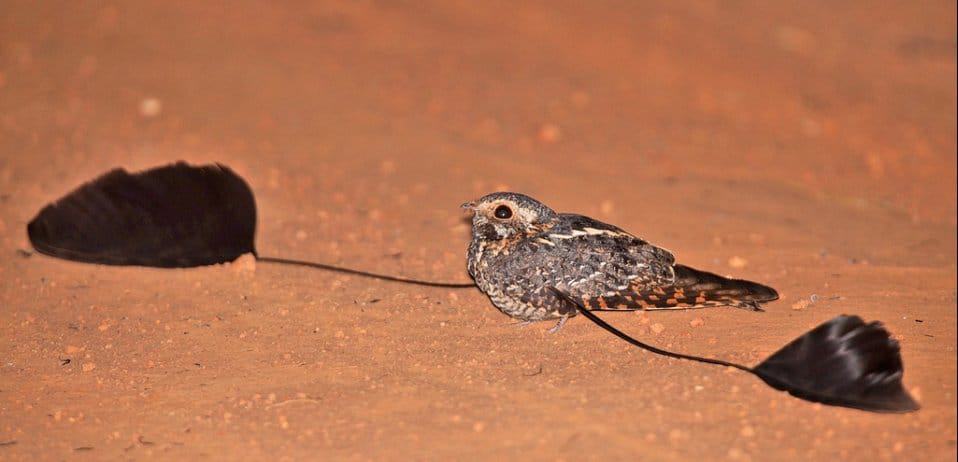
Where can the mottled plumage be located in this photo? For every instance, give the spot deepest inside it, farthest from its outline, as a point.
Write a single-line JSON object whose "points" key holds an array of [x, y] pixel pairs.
{"points": [[522, 252]]}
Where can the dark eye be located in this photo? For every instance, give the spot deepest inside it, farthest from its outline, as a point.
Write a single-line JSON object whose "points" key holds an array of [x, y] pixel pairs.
{"points": [[503, 212]]}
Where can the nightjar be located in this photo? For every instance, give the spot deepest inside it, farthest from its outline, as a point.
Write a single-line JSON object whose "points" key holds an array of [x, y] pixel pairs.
{"points": [[536, 264]]}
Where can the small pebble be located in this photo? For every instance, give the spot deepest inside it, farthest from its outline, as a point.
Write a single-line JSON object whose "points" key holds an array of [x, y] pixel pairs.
{"points": [[801, 304], [658, 328], [916, 393], [737, 262], [606, 207], [549, 133], [246, 263], [87, 367], [150, 107], [747, 431], [696, 322]]}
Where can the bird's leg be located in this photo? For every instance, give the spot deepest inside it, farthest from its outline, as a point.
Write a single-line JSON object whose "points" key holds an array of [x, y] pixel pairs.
{"points": [[556, 328]]}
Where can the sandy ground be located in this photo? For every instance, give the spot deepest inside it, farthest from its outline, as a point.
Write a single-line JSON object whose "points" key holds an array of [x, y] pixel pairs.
{"points": [[808, 146]]}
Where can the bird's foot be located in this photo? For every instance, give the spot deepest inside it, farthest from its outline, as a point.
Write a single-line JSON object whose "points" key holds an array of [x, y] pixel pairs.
{"points": [[556, 328]]}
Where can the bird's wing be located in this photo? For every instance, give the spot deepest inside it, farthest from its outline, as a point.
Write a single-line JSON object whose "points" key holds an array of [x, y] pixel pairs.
{"points": [[595, 258], [610, 269]]}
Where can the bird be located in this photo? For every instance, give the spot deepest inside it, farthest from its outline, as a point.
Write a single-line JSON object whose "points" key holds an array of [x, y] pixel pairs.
{"points": [[536, 264]]}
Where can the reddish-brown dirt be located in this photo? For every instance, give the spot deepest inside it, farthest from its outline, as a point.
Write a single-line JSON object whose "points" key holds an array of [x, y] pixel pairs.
{"points": [[808, 146]]}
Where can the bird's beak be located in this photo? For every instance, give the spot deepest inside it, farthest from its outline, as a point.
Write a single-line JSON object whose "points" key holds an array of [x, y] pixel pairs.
{"points": [[468, 206]]}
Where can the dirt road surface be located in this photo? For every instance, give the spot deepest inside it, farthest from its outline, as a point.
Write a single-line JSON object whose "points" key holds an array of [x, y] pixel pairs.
{"points": [[808, 145]]}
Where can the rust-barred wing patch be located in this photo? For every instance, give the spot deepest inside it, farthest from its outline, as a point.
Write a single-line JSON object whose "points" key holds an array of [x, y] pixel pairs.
{"points": [[692, 289], [667, 298]]}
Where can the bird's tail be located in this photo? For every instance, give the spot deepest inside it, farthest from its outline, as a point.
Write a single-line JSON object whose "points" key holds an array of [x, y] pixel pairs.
{"points": [[692, 289], [701, 288]]}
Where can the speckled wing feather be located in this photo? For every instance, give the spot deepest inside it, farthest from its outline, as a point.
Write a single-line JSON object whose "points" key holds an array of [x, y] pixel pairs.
{"points": [[595, 259]]}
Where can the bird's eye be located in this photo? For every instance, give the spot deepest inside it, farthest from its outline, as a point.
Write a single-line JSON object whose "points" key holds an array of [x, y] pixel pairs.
{"points": [[503, 212]]}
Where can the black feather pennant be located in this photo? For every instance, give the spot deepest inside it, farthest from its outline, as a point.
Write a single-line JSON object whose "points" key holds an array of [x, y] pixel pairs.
{"points": [[173, 216], [844, 362]]}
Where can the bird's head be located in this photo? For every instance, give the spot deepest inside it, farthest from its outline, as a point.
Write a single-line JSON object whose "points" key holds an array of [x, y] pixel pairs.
{"points": [[504, 215]]}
